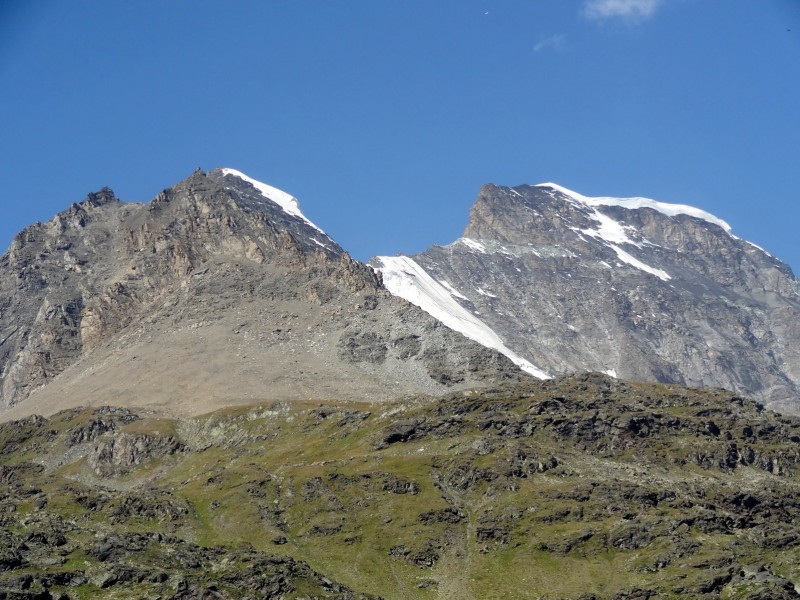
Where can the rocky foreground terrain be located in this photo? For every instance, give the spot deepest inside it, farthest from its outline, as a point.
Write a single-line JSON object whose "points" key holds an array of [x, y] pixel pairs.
{"points": [[584, 487]]}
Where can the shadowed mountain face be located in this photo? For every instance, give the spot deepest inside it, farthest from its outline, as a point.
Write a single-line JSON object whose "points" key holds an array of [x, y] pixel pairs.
{"points": [[633, 287], [217, 292]]}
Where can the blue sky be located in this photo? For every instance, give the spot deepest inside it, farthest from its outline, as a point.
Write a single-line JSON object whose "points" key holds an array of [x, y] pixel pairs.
{"points": [[385, 117]]}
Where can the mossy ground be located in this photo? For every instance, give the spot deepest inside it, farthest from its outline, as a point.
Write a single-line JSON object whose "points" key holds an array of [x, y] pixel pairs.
{"points": [[577, 488]]}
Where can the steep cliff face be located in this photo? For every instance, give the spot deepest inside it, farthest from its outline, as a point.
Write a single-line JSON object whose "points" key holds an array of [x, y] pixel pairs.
{"points": [[46, 273], [218, 291], [634, 287]]}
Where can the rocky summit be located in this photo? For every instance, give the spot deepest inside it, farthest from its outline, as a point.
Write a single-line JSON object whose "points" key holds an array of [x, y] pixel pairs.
{"points": [[217, 292], [632, 287]]}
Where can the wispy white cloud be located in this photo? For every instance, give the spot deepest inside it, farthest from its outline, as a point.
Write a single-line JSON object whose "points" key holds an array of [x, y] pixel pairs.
{"points": [[554, 42], [632, 10]]}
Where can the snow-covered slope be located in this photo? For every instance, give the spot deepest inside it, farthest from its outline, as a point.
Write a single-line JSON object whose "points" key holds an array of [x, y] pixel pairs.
{"points": [[286, 201], [283, 208], [405, 278]]}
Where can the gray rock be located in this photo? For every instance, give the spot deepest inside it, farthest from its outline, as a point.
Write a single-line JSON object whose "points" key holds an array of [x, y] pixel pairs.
{"points": [[681, 301], [209, 295]]}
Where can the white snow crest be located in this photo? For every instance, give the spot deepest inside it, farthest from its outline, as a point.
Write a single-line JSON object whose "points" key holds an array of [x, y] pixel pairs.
{"points": [[757, 247], [403, 277], [670, 210], [475, 245], [286, 201]]}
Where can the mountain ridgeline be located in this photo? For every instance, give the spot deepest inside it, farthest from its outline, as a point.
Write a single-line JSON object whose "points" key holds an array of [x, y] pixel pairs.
{"points": [[220, 291], [632, 287], [217, 292], [205, 397]]}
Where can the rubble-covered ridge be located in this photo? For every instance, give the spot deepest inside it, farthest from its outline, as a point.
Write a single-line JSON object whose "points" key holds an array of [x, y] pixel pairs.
{"points": [[629, 286], [219, 291], [571, 488]]}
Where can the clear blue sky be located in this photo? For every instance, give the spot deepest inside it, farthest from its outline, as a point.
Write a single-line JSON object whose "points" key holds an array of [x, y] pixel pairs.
{"points": [[385, 117]]}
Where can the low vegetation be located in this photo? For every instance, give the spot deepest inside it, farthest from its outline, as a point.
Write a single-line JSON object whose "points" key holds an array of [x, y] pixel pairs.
{"points": [[583, 487]]}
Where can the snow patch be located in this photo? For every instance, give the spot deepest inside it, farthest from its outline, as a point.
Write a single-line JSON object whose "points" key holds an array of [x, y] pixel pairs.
{"points": [[670, 210], [612, 233], [483, 292], [508, 254], [475, 245], [635, 262], [611, 373], [609, 230], [286, 201], [403, 277], [533, 250]]}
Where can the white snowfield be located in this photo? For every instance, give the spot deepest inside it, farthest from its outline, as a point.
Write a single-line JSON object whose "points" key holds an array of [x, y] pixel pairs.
{"points": [[474, 244], [670, 210], [635, 262], [612, 233], [286, 201], [403, 277]]}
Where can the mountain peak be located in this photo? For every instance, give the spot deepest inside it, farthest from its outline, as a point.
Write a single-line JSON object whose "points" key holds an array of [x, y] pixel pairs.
{"points": [[286, 201], [219, 291], [635, 203], [632, 286], [103, 196]]}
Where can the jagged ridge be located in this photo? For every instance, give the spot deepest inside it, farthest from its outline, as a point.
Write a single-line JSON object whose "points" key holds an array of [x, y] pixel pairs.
{"points": [[211, 294]]}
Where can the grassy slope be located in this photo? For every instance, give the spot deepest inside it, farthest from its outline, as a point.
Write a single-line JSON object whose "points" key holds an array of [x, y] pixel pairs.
{"points": [[557, 489]]}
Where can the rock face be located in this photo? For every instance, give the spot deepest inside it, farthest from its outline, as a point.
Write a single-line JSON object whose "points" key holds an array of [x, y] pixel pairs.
{"points": [[633, 287], [218, 291]]}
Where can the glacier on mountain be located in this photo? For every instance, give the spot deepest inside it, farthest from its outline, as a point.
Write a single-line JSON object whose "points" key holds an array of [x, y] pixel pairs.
{"points": [[403, 277]]}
